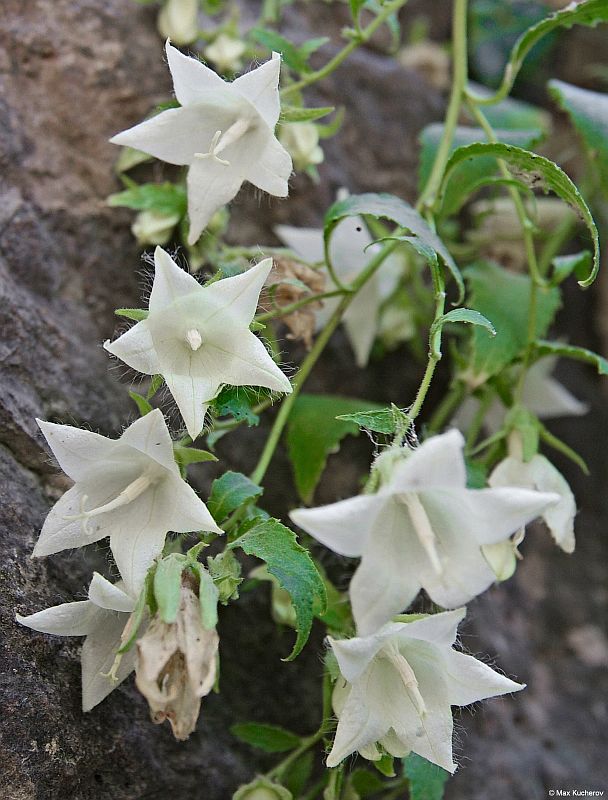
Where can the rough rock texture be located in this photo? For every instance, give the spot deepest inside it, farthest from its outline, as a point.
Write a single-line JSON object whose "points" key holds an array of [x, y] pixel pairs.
{"points": [[72, 72]]}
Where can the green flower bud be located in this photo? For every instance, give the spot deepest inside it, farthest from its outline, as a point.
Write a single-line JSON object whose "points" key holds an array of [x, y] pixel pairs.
{"points": [[262, 789]]}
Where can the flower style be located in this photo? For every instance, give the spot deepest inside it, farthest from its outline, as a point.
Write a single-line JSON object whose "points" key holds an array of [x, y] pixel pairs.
{"points": [[129, 489], [198, 338], [349, 257], [102, 619], [398, 685], [223, 132], [423, 529]]}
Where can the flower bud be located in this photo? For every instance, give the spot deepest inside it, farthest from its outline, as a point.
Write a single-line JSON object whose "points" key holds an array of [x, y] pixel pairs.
{"points": [[262, 789], [301, 140], [176, 665], [225, 53], [177, 20], [430, 60], [154, 227]]}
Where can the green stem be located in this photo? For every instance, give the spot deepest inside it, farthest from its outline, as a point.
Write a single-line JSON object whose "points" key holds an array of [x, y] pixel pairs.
{"points": [[459, 83], [445, 410], [359, 38], [477, 423], [283, 311], [307, 743]]}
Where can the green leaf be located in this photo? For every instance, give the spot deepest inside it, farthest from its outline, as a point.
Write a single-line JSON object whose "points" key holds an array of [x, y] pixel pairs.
{"points": [[208, 596], [225, 569], [365, 783], [388, 206], [355, 10], [166, 198], [466, 315], [427, 781], [167, 586], [313, 432], [136, 314], [293, 567], [229, 492], [564, 266], [299, 114], [537, 172], [383, 420], [511, 115], [298, 773], [544, 348], [142, 404], [129, 158], [504, 297], [589, 114], [292, 56], [237, 402], [191, 455], [326, 131], [155, 384], [270, 738], [588, 13], [469, 173]]}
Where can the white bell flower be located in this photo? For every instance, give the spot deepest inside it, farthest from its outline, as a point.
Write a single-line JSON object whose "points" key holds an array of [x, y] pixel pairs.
{"points": [[398, 685], [349, 257], [198, 338], [423, 529], [225, 52], [223, 132], [102, 619], [129, 489]]}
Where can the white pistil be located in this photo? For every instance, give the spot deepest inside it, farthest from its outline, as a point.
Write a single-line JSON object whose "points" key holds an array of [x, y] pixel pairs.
{"points": [[408, 678], [128, 495], [423, 528], [220, 141], [194, 338]]}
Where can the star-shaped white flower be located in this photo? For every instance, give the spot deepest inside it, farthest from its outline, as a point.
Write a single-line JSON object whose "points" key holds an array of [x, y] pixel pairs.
{"points": [[423, 529], [349, 257], [398, 685], [223, 132], [129, 489], [102, 619], [198, 338]]}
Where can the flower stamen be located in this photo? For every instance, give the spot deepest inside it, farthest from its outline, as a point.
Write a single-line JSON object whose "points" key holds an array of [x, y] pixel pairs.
{"points": [[220, 141], [423, 528], [128, 495]]}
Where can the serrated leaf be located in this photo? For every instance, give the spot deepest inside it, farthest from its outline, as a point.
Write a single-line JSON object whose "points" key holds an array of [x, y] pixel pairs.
{"points": [[166, 198], [426, 781], [469, 173], [544, 348], [293, 567], [538, 173], [142, 404], [191, 455], [229, 492], [237, 402], [299, 114], [588, 13], [504, 297], [388, 206], [136, 314], [589, 114], [313, 432], [270, 738], [167, 586]]}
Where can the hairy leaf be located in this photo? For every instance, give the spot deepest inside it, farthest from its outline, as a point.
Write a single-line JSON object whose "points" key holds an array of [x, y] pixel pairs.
{"points": [[427, 781], [229, 492]]}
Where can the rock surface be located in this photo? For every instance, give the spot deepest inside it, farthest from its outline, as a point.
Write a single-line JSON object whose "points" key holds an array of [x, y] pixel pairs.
{"points": [[72, 72]]}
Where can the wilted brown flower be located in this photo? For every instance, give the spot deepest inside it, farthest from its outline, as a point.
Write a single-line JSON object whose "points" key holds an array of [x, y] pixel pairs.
{"points": [[291, 282]]}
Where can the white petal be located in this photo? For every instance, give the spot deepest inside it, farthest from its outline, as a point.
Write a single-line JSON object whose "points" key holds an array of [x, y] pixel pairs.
{"points": [[261, 87], [192, 396], [170, 282], [184, 511], [438, 462], [210, 186], [136, 348], [387, 579], [347, 248], [305, 242], [440, 629], [502, 558], [361, 321], [470, 680], [149, 435], [61, 531], [108, 595], [357, 727], [192, 80], [67, 619], [174, 135], [98, 653], [345, 526], [355, 655], [242, 360], [271, 168], [76, 450], [237, 296], [546, 396]]}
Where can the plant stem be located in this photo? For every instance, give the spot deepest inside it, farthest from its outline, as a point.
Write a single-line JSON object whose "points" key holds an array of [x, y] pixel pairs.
{"points": [[307, 743], [283, 311], [459, 83], [359, 38], [448, 406]]}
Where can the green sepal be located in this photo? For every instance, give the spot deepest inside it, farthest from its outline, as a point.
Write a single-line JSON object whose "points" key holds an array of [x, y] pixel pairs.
{"points": [[136, 314], [143, 405]]}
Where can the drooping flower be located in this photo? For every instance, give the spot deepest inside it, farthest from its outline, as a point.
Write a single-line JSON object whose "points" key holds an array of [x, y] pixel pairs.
{"points": [[423, 529], [198, 338], [102, 619], [176, 665], [223, 132], [398, 685], [225, 52], [129, 489], [349, 257]]}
